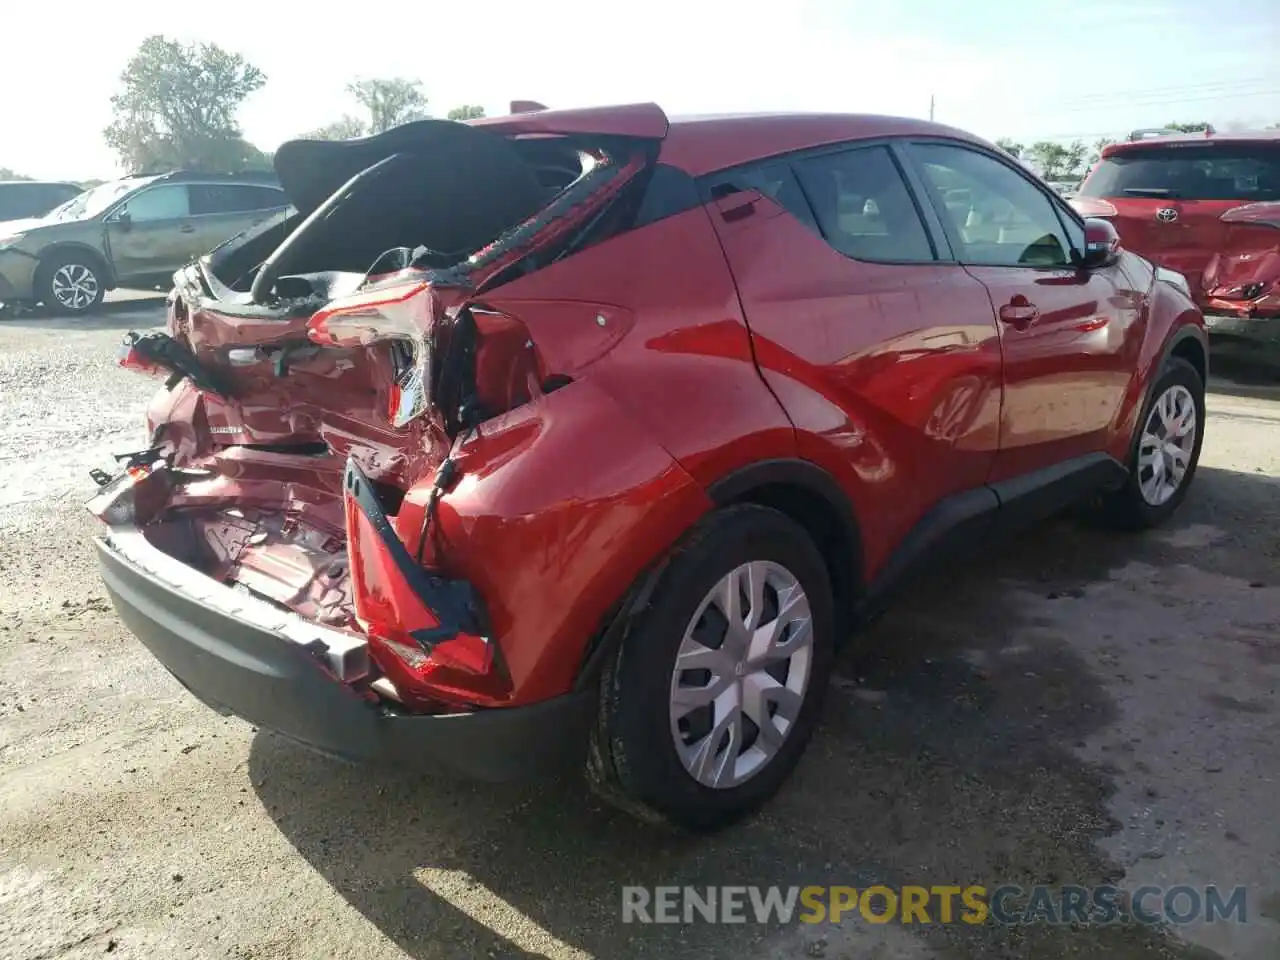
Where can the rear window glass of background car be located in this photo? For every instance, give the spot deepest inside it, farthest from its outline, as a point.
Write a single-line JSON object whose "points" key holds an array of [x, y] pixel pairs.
{"points": [[227, 198], [1245, 172], [267, 198], [863, 207], [21, 200]]}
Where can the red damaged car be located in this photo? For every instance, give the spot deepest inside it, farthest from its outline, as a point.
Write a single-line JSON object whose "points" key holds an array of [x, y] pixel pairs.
{"points": [[583, 436], [1208, 206]]}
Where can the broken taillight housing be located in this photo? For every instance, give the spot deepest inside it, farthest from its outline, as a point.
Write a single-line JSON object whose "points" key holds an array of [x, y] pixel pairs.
{"points": [[407, 398], [133, 497], [131, 358], [399, 314], [423, 630]]}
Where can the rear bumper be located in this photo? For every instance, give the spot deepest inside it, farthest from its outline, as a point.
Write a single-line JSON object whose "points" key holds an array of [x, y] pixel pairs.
{"points": [[1237, 332], [261, 675], [17, 276]]}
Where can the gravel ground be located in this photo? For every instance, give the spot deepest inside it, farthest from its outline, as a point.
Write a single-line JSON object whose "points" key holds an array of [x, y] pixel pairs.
{"points": [[1079, 708]]}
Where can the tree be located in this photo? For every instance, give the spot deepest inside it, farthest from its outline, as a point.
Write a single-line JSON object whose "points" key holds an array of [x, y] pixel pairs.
{"points": [[1095, 152], [7, 174], [467, 111], [1011, 147], [1076, 153], [1188, 127], [178, 108], [390, 102], [1056, 161], [345, 127]]}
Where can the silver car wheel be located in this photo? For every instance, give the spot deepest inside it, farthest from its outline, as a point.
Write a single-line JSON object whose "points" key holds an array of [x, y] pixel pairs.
{"points": [[74, 286], [741, 674], [1167, 443]]}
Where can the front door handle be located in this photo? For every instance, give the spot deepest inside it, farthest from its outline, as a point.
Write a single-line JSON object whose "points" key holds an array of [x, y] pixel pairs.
{"points": [[187, 228], [1019, 313]]}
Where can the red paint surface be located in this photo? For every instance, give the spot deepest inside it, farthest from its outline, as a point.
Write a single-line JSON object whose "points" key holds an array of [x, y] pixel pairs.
{"points": [[692, 347], [1220, 246]]}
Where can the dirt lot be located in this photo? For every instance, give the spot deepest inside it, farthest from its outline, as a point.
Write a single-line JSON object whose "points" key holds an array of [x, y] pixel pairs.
{"points": [[1080, 708]]}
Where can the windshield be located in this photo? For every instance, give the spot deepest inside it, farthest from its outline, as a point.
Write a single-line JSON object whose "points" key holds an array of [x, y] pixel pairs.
{"points": [[93, 202], [1246, 173]]}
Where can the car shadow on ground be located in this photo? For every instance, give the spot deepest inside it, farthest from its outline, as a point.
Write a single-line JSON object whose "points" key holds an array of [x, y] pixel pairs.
{"points": [[1232, 377], [949, 756], [140, 310]]}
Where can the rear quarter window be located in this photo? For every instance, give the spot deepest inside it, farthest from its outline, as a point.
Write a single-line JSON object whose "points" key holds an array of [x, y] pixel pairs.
{"points": [[21, 200], [1245, 173]]}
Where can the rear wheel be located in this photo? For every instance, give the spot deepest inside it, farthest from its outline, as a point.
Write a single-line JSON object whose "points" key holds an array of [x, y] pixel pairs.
{"points": [[1165, 451], [716, 687], [71, 283]]}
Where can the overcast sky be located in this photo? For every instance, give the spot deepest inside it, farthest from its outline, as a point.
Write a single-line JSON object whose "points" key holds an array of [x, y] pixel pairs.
{"points": [[996, 67]]}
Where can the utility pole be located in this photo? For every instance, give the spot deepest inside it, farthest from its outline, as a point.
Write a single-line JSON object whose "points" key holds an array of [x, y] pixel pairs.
{"points": [[930, 107]]}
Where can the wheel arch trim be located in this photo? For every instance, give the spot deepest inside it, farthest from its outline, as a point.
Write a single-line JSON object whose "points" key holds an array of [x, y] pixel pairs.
{"points": [[64, 247]]}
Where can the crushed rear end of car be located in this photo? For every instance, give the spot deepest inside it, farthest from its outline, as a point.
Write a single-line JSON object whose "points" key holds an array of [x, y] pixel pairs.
{"points": [[274, 546]]}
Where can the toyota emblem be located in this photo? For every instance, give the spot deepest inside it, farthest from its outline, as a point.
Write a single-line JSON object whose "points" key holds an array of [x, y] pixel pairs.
{"points": [[1166, 214]]}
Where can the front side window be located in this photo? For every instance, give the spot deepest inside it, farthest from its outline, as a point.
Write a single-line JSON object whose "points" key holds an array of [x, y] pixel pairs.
{"points": [[996, 216], [863, 206], [168, 202]]}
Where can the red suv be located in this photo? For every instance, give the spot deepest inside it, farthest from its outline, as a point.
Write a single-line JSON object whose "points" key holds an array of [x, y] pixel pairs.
{"points": [[587, 436], [1208, 206]]}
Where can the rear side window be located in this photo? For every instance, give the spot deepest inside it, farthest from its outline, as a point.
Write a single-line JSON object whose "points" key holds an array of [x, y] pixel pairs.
{"points": [[774, 180], [1246, 173], [863, 206], [266, 198], [21, 200], [232, 198]]}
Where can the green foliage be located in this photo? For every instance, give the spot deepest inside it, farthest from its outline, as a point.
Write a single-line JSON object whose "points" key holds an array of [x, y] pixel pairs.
{"points": [[178, 106], [1057, 161], [1010, 146], [1188, 127], [1095, 152], [466, 112], [390, 101], [345, 127]]}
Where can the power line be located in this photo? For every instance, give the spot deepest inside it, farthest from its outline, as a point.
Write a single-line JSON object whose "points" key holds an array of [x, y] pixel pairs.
{"points": [[1155, 96], [1131, 102], [1165, 91]]}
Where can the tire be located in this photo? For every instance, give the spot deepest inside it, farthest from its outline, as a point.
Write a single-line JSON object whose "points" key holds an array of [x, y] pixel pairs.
{"points": [[1141, 504], [71, 283], [634, 761]]}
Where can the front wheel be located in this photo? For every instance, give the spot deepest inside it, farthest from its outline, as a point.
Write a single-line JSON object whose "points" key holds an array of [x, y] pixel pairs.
{"points": [[717, 686], [1165, 452], [71, 284]]}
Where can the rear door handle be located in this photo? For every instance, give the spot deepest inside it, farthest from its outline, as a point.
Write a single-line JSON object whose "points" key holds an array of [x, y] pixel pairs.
{"points": [[1019, 314], [187, 228]]}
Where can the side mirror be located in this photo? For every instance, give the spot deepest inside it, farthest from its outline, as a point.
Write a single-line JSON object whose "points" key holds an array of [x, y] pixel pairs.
{"points": [[1101, 243], [124, 219]]}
